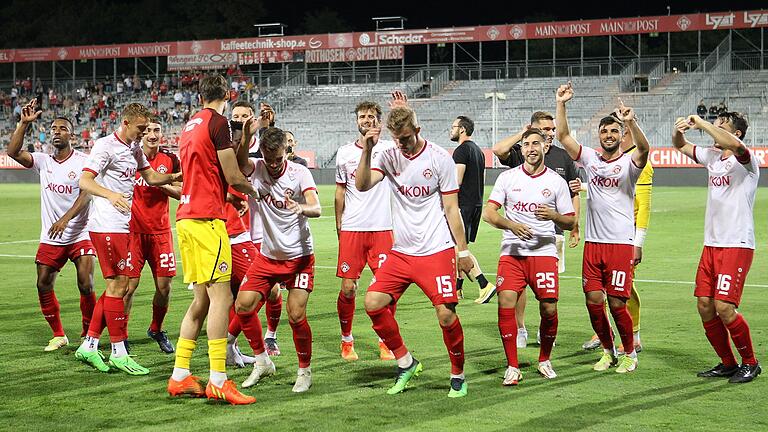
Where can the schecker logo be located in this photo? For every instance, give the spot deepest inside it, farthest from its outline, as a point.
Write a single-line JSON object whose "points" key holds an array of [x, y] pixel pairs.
{"points": [[364, 39], [684, 22], [493, 33], [60, 189], [427, 173], [414, 191], [344, 267], [546, 193], [717, 21], [162, 169], [72, 175], [516, 32]]}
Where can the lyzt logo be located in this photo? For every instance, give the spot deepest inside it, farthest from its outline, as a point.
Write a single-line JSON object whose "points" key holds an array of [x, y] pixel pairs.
{"points": [[718, 21], [755, 19]]}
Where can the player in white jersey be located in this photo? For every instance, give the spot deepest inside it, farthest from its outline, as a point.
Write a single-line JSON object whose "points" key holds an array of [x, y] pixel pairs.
{"points": [[287, 199], [64, 215], [610, 225], [535, 199], [363, 226], [729, 239], [109, 176], [426, 220]]}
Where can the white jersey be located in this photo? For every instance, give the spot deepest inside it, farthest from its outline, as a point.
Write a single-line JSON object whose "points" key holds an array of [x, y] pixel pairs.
{"points": [[257, 233], [286, 235], [115, 164], [363, 211], [520, 194], [240, 238], [731, 185], [417, 183], [611, 200], [59, 188]]}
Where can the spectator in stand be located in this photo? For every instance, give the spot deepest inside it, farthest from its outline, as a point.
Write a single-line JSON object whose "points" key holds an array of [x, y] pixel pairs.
{"points": [[128, 83], [26, 86], [174, 82], [290, 152], [712, 113], [148, 83], [119, 88], [154, 97], [14, 95], [136, 84], [722, 108], [17, 111], [108, 85], [164, 87], [113, 117], [178, 98], [188, 99]]}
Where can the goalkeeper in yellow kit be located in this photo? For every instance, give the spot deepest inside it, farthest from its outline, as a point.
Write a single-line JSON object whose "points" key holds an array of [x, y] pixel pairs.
{"points": [[642, 217]]}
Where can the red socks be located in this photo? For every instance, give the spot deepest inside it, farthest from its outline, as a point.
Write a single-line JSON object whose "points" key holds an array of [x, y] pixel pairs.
{"points": [[117, 321], [548, 331], [718, 338], [97, 319], [49, 305], [624, 325], [600, 324], [234, 322], [345, 306], [385, 326], [742, 340], [87, 303], [158, 315], [302, 340], [274, 309], [453, 336], [249, 321], [508, 332]]}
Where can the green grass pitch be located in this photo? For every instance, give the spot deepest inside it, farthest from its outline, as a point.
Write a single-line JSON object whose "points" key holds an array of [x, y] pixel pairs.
{"points": [[53, 391]]}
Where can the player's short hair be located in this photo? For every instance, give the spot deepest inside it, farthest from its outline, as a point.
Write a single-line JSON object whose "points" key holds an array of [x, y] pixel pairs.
{"points": [[243, 104], [273, 139], [533, 131], [71, 125], [467, 124], [738, 121], [136, 110], [400, 118], [368, 106], [213, 87], [610, 119], [155, 119], [541, 115]]}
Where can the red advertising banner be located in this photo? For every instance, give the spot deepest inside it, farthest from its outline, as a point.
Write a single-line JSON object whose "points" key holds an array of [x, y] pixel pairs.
{"points": [[7, 163], [668, 157], [542, 30], [263, 57], [354, 54]]}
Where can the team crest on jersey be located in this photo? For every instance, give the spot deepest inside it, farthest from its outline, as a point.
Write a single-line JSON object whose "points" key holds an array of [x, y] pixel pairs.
{"points": [[121, 264], [728, 165], [344, 267], [427, 173], [71, 175], [223, 267], [288, 193], [162, 169], [547, 193], [617, 169], [499, 280]]}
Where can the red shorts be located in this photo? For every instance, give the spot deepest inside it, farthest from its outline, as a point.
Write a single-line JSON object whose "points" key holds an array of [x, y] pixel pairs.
{"points": [[264, 273], [435, 274], [722, 272], [607, 267], [358, 247], [56, 256], [113, 252], [243, 255], [154, 249], [537, 272]]}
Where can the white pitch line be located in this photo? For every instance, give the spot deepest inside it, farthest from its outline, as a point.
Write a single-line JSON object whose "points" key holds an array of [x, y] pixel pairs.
{"points": [[654, 281], [20, 241]]}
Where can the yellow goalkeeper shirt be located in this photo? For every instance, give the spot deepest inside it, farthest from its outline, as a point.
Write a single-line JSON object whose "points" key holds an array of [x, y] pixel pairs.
{"points": [[643, 194]]}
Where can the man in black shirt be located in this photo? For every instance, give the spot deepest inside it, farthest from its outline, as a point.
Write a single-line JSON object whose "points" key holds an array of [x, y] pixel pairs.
{"points": [[509, 153], [470, 173], [291, 150]]}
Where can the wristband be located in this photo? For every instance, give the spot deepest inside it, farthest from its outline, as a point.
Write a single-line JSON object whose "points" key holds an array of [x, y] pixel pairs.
{"points": [[464, 254], [639, 237]]}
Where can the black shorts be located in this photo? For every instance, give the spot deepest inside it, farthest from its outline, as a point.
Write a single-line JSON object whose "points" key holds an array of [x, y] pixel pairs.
{"points": [[471, 218]]}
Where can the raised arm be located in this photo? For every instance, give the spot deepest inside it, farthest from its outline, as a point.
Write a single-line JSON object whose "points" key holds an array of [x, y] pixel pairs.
{"points": [[29, 114], [627, 115], [723, 139], [678, 137], [502, 148], [565, 94], [365, 177]]}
